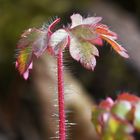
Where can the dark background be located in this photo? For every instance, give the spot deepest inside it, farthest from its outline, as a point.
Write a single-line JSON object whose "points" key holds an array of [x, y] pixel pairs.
{"points": [[112, 74]]}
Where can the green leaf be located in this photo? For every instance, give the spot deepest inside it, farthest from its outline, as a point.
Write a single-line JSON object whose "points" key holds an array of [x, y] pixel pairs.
{"points": [[83, 51], [121, 109], [36, 38], [33, 41], [85, 32], [58, 40], [24, 59], [96, 115], [116, 129]]}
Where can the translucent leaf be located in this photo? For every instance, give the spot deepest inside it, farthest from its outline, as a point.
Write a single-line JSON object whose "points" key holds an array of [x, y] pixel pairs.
{"points": [[59, 39], [90, 30], [104, 30], [36, 38], [97, 41], [122, 109], [33, 41], [24, 59], [119, 49], [77, 19], [84, 52], [85, 32]]}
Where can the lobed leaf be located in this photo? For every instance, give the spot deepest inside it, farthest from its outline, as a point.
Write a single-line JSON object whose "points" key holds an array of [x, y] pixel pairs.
{"points": [[102, 29], [119, 49], [122, 109], [117, 120], [84, 52], [33, 42], [59, 40], [116, 129], [84, 32]]}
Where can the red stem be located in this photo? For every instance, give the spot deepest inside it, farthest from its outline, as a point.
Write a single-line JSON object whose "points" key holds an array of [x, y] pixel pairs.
{"points": [[62, 127]]}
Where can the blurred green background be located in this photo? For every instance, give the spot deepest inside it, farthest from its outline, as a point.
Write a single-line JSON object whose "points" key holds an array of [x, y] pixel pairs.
{"points": [[18, 15]]}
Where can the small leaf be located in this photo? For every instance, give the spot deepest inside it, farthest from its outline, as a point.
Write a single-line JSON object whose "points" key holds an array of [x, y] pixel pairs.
{"points": [[33, 42], [85, 32], [119, 49], [116, 129], [117, 120], [59, 39], [84, 52], [36, 38], [52, 25], [122, 109], [88, 32]]}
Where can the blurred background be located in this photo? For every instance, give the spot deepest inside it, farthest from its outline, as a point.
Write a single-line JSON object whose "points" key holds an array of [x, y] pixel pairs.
{"points": [[27, 107]]}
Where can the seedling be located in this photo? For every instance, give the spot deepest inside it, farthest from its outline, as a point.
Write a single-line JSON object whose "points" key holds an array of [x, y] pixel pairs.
{"points": [[80, 38]]}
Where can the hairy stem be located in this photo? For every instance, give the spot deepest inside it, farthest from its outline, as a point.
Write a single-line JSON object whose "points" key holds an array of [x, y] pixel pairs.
{"points": [[62, 127]]}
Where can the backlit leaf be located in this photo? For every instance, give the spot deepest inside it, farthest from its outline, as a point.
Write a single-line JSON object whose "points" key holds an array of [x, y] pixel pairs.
{"points": [[32, 42], [59, 40], [119, 49], [76, 20], [24, 59], [104, 30], [85, 32], [122, 109], [84, 52]]}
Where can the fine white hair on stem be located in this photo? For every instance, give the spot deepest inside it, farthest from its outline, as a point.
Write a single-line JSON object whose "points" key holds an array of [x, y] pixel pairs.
{"points": [[57, 137], [48, 22], [68, 63]]}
